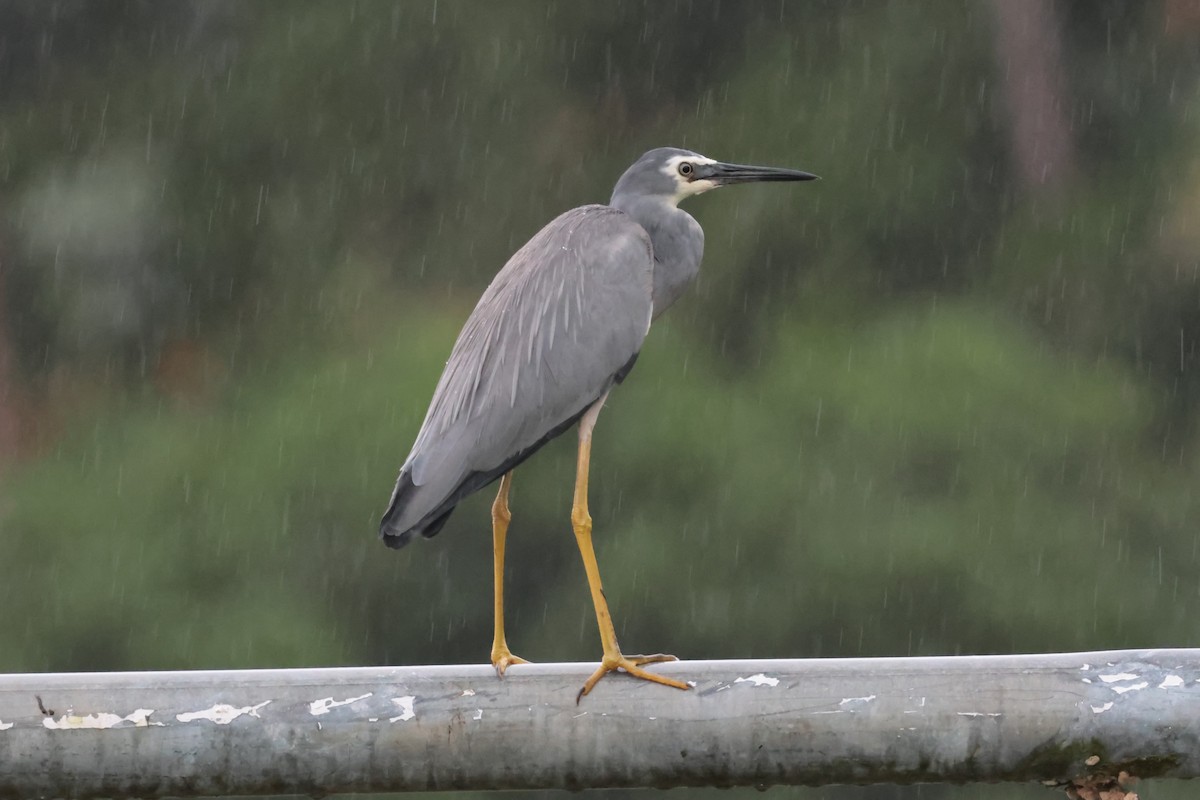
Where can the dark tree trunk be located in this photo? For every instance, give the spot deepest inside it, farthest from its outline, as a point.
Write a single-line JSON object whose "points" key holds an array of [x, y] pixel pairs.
{"points": [[1029, 57], [10, 427]]}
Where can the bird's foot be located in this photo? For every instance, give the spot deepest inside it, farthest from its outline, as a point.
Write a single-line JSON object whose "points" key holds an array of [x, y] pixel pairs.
{"points": [[630, 665], [502, 659]]}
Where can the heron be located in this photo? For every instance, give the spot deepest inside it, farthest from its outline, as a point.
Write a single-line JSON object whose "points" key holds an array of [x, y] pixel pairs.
{"points": [[559, 326]]}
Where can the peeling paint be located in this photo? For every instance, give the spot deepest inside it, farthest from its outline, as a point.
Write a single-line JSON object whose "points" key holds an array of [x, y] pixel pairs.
{"points": [[222, 713], [6, 725], [323, 706], [1120, 676], [468, 693], [1103, 708], [478, 714], [1171, 681], [759, 679], [406, 708], [866, 699], [101, 720], [1135, 688], [979, 714]]}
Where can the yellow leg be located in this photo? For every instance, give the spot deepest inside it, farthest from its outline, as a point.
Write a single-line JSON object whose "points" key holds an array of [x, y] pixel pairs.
{"points": [[502, 657], [581, 521]]}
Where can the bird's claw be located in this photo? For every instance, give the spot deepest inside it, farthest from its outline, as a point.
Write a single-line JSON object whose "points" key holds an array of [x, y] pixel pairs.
{"points": [[632, 666], [502, 659]]}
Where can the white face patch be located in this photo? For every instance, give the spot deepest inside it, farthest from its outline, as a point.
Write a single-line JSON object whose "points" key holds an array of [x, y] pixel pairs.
{"points": [[684, 187]]}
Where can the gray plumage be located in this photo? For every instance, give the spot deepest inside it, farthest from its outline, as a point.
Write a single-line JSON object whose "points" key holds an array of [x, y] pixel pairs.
{"points": [[560, 324]]}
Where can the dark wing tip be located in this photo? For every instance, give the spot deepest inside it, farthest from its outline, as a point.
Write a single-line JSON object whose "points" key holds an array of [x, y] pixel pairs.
{"points": [[392, 536], [395, 537], [394, 540]]}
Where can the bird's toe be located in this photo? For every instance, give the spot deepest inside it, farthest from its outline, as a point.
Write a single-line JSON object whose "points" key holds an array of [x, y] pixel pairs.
{"points": [[503, 659]]}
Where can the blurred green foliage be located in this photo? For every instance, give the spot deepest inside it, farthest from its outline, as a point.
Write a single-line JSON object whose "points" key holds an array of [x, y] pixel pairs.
{"points": [[915, 408]]}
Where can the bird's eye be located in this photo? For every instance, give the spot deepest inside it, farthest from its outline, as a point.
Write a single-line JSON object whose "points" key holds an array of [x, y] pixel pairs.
{"points": [[686, 169]]}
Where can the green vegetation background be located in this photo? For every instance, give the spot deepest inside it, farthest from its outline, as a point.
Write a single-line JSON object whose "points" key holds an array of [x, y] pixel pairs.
{"points": [[916, 408]]}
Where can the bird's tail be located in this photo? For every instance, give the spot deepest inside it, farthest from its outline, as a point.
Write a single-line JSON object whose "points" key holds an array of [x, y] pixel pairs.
{"points": [[393, 530]]}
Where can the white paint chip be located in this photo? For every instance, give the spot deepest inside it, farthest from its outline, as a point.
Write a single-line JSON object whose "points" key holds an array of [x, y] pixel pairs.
{"points": [[1102, 709], [468, 693], [405, 705], [323, 706], [478, 714], [759, 680], [6, 725], [1134, 688], [1120, 676], [100, 721], [979, 713], [222, 713], [1171, 681], [866, 699]]}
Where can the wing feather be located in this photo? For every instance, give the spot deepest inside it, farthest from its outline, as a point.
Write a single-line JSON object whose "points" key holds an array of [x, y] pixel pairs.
{"points": [[558, 323]]}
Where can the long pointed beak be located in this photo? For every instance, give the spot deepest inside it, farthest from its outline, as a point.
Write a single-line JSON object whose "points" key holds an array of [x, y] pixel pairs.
{"points": [[725, 174]]}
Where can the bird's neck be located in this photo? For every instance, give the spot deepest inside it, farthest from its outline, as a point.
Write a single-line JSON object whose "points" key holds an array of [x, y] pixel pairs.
{"points": [[677, 240]]}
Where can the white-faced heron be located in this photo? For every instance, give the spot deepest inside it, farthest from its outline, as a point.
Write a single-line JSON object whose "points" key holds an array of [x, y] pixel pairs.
{"points": [[559, 326]]}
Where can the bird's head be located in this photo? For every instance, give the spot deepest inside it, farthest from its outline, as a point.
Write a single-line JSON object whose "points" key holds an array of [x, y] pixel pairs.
{"points": [[673, 174]]}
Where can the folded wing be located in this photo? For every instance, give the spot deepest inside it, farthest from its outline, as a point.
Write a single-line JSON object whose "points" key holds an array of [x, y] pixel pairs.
{"points": [[561, 322]]}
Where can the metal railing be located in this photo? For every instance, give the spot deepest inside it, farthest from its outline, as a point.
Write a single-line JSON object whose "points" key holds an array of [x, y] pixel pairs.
{"points": [[1048, 718]]}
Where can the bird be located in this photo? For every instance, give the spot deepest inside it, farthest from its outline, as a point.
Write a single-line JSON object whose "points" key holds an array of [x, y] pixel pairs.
{"points": [[558, 327]]}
